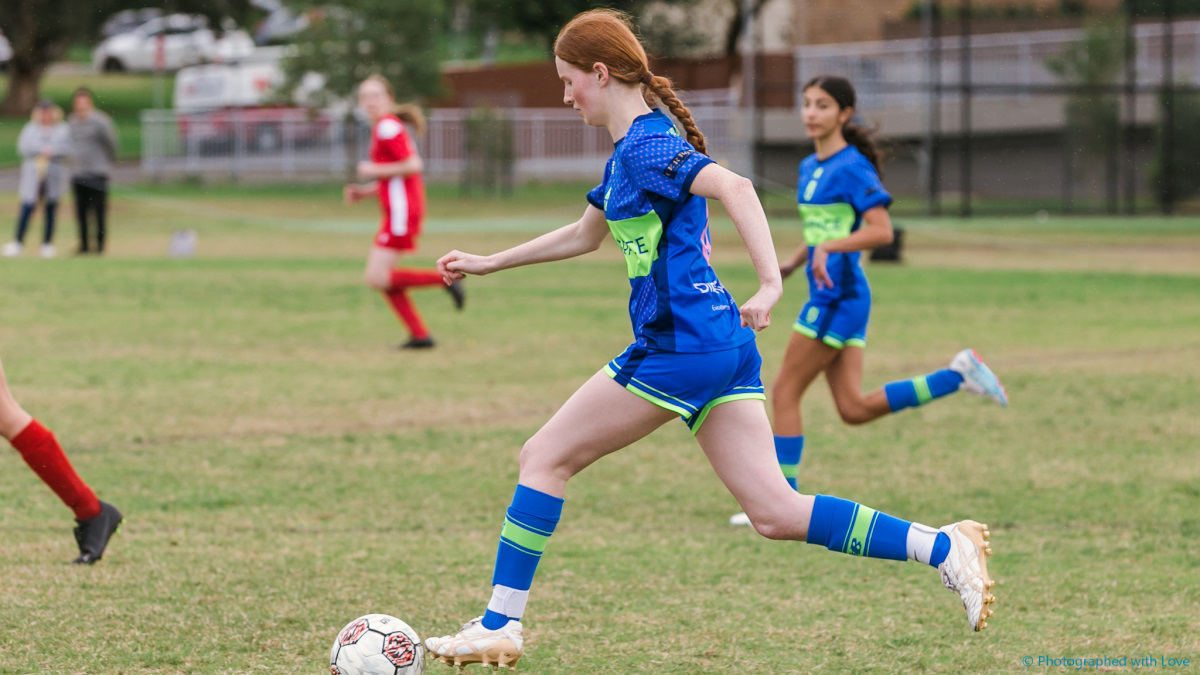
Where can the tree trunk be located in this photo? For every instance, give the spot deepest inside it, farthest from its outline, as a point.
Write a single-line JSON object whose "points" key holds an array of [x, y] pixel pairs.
{"points": [[22, 95]]}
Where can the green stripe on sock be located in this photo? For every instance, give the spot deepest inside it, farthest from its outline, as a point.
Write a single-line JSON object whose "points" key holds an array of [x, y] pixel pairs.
{"points": [[860, 529], [922, 387], [790, 470], [521, 536]]}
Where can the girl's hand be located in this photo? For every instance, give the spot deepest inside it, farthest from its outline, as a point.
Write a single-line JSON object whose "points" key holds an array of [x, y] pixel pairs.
{"points": [[756, 312], [821, 275], [351, 194], [455, 265], [786, 269], [366, 170]]}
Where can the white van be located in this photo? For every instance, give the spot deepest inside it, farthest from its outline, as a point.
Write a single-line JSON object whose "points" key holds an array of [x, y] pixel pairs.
{"points": [[224, 104]]}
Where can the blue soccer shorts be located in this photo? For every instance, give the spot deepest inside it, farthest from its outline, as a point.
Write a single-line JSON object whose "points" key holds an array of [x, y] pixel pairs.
{"points": [[690, 384], [838, 323]]}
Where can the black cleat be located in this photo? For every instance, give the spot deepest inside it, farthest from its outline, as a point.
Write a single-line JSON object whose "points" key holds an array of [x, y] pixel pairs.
{"points": [[456, 291], [93, 534], [417, 343]]}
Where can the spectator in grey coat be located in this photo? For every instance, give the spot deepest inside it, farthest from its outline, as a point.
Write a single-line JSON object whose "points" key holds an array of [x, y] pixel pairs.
{"points": [[94, 147], [44, 146]]}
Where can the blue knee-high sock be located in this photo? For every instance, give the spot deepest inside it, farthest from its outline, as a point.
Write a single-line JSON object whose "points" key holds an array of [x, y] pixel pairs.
{"points": [[921, 390], [788, 450], [48, 228], [849, 527], [528, 524], [23, 222]]}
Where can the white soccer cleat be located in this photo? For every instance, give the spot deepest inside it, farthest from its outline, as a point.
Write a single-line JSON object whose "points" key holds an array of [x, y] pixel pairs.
{"points": [[965, 570], [12, 249], [977, 377], [476, 644], [48, 251], [739, 520]]}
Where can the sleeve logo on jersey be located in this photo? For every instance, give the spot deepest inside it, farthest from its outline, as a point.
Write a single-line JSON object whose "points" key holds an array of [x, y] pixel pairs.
{"points": [[673, 167]]}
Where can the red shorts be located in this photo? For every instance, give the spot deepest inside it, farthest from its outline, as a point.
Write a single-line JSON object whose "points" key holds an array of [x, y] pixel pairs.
{"points": [[403, 206], [388, 238]]}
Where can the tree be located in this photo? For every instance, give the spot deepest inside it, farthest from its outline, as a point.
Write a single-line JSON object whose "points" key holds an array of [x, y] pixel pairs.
{"points": [[1093, 63], [40, 32], [734, 32], [398, 39]]}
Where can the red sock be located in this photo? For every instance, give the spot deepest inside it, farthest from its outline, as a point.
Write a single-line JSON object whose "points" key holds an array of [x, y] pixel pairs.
{"points": [[44, 455], [410, 277], [407, 311]]}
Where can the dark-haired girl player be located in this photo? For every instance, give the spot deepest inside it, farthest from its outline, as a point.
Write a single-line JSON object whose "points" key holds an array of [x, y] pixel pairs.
{"points": [[844, 208]]}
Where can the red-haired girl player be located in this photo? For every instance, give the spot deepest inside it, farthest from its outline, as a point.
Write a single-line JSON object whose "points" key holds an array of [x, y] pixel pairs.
{"points": [[693, 354], [97, 521], [395, 167]]}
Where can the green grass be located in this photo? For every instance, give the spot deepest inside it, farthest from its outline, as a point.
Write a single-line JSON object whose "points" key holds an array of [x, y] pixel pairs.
{"points": [[122, 95], [284, 472]]}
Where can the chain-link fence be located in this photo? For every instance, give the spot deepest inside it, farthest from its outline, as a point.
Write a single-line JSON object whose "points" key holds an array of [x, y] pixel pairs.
{"points": [[1101, 118], [484, 146]]}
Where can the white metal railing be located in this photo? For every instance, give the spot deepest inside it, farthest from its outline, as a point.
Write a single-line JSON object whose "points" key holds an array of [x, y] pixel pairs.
{"points": [[544, 143], [898, 73]]}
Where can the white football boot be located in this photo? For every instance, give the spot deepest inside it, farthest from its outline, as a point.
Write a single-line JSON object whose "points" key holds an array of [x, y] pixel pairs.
{"points": [[739, 520], [12, 249], [977, 377], [48, 251], [476, 644], [965, 570]]}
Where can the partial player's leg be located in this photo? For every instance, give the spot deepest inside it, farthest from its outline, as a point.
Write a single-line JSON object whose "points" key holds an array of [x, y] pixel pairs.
{"points": [[844, 375], [803, 361], [599, 419], [381, 262], [97, 520], [735, 438]]}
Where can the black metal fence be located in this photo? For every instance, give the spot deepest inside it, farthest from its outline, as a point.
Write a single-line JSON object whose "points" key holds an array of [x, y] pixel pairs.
{"points": [[1103, 117]]}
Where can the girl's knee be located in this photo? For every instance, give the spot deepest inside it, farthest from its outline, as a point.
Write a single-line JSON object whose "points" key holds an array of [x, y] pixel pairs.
{"points": [[376, 279]]}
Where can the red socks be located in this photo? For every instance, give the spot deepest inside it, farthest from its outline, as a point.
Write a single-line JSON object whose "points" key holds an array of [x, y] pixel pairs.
{"points": [[409, 277], [407, 311], [402, 279], [44, 455]]}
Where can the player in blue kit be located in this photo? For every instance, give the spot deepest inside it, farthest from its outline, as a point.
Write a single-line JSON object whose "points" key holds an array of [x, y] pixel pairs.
{"points": [[693, 354], [844, 208]]}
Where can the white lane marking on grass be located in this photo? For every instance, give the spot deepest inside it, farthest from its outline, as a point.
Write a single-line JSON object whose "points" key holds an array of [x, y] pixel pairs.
{"points": [[433, 224]]}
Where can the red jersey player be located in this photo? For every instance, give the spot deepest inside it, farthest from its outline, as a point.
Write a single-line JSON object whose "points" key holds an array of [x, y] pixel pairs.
{"points": [[395, 167], [97, 520]]}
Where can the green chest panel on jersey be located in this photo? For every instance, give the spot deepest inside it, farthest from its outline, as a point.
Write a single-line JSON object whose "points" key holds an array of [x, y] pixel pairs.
{"points": [[638, 238], [826, 222]]}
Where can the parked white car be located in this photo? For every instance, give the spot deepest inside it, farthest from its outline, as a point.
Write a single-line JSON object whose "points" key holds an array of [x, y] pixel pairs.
{"points": [[186, 41]]}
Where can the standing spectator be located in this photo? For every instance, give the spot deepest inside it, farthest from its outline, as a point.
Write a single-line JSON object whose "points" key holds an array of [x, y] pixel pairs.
{"points": [[94, 147], [44, 145]]}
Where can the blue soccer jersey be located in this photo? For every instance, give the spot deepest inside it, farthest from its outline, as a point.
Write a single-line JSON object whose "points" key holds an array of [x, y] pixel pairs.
{"points": [[676, 303], [833, 195]]}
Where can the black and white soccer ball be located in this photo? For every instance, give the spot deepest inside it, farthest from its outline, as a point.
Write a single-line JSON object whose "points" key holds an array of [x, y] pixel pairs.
{"points": [[377, 644]]}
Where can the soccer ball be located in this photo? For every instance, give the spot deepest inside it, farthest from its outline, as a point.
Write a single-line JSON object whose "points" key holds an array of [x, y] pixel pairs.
{"points": [[377, 644]]}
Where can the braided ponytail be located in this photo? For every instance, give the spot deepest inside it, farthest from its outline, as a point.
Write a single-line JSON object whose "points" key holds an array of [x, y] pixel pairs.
{"points": [[660, 88], [606, 36]]}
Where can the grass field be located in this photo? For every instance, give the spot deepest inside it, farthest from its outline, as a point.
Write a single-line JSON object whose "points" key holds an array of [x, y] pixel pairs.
{"points": [[283, 471]]}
